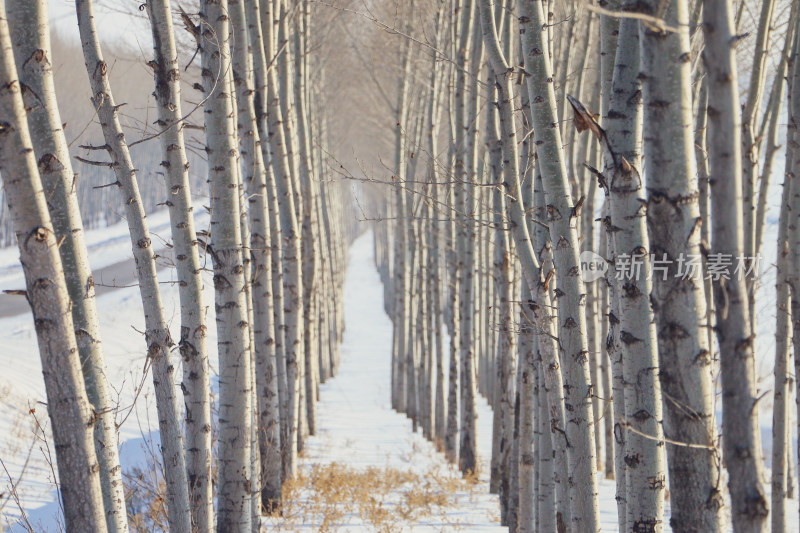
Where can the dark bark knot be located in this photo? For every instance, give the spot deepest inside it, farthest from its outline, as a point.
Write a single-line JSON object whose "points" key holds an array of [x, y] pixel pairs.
{"points": [[648, 525], [631, 290], [756, 506], [49, 163], [632, 460], [221, 282], [628, 338]]}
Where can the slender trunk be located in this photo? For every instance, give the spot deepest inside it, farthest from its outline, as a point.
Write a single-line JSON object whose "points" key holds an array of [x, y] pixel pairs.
{"points": [[233, 328], [30, 33], [67, 404], [561, 211], [793, 170], [547, 505], [290, 286], [157, 333], [266, 405], [645, 468], [192, 344], [741, 430], [780, 419], [673, 220], [528, 419]]}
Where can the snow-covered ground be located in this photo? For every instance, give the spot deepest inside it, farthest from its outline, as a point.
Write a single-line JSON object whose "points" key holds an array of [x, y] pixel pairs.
{"points": [[357, 427], [107, 246], [26, 460]]}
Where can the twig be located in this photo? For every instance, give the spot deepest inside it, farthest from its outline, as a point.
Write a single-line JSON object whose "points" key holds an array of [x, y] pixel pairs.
{"points": [[649, 20]]}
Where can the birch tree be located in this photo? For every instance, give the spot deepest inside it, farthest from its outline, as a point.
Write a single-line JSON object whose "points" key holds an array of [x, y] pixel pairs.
{"points": [[30, 33], [284, 169], [740, 428], [192, 344], [67, 403], [561, 212], [233, 485], [255, 173], [673, 222], [260, 42], [157, 333]]}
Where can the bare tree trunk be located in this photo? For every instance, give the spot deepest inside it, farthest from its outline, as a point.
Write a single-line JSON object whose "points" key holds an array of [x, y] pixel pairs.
{"points": [[614, 356], [291, 280], [157, 333], [783, 332], [30, 33], [67, 404], [233, 486], [644, 441], [265, 383], [193, 329], [550, 379], [741, 430], [673, 220], [505, 366], [750, 141], [259, 40], [572, 318], [547, 506], [782, 453], [528, 420], [402, 327], [793, 170], [308, 194]]}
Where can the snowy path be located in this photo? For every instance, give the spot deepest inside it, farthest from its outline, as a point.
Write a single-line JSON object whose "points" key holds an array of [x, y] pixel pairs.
{"points": [[357, 424], [359, 428]]}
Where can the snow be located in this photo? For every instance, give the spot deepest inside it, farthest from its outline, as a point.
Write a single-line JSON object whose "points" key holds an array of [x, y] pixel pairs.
{"points": [[122, 324], [107, 246], [357, 426]]}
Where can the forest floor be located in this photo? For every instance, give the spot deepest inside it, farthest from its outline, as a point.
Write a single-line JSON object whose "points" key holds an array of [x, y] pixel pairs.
{"points": [[361, 438], [365, 470]]}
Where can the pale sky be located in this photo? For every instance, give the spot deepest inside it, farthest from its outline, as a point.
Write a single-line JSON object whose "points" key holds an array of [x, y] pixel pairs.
{"points": [[114, 27]]}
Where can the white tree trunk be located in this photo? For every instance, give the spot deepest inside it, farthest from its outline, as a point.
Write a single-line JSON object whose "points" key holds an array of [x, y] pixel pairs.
{"points": [[679, 301], [561, 214], [233, 328], [740, 427], [255, 174], [192, 344], [67, 403], [157, 333], [30, 33]]}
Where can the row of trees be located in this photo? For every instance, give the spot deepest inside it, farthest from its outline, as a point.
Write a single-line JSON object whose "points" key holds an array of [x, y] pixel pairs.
{"points": [[277, 242], [101, 206], [495, 200]]}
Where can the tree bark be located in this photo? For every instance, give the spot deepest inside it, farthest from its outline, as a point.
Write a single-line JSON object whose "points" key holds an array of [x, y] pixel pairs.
{"points": [[233, 328], [192, 344], [30, 33], [157, 333], [740, 428], [679, 302], [67, 404], [255, 177], [561, 213]]}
